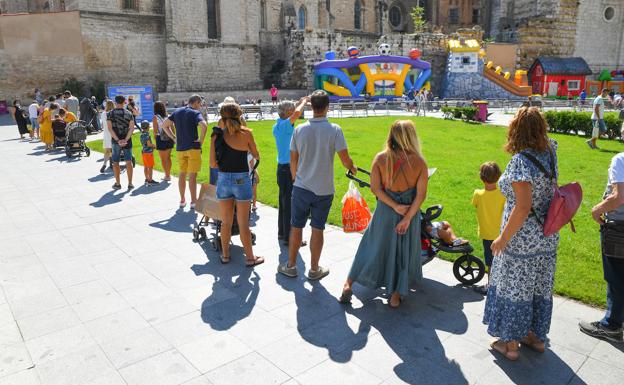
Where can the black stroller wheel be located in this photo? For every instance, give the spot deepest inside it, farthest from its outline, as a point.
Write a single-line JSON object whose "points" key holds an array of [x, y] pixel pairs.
{"points": [[468, 269], [87, 151], [202, 233], [253, 239], [195, 234]]}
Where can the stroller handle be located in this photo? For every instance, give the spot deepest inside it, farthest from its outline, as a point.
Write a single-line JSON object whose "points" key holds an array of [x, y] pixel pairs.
{"points": [[358, 180]]}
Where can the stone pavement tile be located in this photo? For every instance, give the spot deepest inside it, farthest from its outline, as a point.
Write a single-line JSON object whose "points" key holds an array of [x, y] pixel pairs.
{"points": [[77, 293], [564, 331], [217, 349], [378, 357], [122, 273], [294, 355], [29, 287], [37, 304], [26, 268], [146, 291], [48, 322], [96, 257], [58, 344], [473, 360], [10, 334], [609, 353], [168, 368], [424, 370], [202, 380], [253, 325], [116, 325], [330, 372], [251, 369], [165, 309], [71, 271], [597, 372], [110, 378], [556, 366], [25, 377], [6, 316], [91, 308], [135, 347], [579, 312], [14, 358], [184, 329], [15, 247], [79, 367]]}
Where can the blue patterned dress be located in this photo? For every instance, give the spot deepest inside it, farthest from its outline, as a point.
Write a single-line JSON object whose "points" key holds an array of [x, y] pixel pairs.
{"points": [[519, 297]]}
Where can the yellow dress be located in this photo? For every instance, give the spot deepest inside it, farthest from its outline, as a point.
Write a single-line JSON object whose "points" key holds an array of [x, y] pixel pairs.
{"points": [[45, 131]]}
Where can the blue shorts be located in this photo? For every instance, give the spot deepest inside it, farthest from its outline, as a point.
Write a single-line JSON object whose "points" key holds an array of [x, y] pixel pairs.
{"points": [[306, 204], [34, 123], [487, 252], [116, 156], [234, 185]]}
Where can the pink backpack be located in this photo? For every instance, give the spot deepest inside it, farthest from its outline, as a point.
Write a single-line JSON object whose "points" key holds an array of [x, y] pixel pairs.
{"points": [[565, 202]]}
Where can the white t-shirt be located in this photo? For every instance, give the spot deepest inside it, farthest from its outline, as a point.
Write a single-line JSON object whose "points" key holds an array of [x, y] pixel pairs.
{"points": [[106, 135], [33, 111], [616, 175], [599, 101]]}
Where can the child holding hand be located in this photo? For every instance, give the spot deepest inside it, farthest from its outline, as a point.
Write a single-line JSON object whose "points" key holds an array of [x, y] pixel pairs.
{"points": [[147, 153], [489, 203]]}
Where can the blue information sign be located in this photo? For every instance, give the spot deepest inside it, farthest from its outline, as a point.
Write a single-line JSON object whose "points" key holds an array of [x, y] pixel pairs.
{"points": [[143, 98]]}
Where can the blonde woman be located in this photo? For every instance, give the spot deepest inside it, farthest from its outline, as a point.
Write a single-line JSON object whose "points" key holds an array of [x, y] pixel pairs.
{"points": [[107, 139], [389, 252], [230, 143]]}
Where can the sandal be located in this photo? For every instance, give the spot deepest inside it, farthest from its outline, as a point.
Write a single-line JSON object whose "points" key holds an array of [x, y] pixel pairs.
{"points": [[345, 297], [224, 260], [501, 347], [394, 306], [254, 262], [533, 344]]}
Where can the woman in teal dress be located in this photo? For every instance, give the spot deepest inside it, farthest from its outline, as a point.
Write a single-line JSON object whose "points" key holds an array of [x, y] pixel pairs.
{"points": [[389, 252]]}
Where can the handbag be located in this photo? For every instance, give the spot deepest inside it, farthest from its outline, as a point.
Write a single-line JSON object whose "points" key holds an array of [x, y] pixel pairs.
{"points": [[565, 202]]}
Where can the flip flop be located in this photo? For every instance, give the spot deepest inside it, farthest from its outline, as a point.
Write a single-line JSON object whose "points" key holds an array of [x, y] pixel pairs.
{"points": [[537, 346], [254, 262], [345, 297], [501, 347], [224, 260]]}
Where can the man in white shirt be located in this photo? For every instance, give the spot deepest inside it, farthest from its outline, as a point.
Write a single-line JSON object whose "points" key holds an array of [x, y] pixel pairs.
{"points": [[610, 215], [71, 102], [598, 123], [33, 114]]}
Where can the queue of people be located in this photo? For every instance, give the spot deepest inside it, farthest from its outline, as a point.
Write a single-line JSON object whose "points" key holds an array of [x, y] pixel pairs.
{"points": [[510, 208]]}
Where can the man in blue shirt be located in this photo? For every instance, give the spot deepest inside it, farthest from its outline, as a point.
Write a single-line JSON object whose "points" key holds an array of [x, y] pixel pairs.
{"points": [[583, 97], [283, 132], [188, 144]]}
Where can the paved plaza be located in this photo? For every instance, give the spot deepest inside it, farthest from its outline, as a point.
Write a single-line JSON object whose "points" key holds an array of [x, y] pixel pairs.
{"points": [[108, 288]]}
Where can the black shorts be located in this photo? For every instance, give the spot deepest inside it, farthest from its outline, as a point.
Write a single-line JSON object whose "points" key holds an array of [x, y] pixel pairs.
{"points": [[163, 145], [274, 98]]}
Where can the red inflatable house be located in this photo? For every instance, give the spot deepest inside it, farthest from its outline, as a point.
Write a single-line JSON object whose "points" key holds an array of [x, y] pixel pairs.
{"points": [[555, 76]]}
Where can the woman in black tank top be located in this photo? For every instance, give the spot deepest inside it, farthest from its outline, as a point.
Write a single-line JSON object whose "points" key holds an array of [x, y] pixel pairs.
{"points": [[234, 185]]}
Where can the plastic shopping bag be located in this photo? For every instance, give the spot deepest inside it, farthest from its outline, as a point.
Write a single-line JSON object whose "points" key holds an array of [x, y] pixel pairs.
{"points": [[355, 212]]}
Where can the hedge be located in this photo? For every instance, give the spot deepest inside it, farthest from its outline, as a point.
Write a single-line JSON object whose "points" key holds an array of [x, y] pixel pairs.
{"points": [[571, 122], [466, 113]]}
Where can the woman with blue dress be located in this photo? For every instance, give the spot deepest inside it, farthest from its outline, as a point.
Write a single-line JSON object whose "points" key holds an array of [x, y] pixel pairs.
{"points": [[389, 253], [519, 303]]}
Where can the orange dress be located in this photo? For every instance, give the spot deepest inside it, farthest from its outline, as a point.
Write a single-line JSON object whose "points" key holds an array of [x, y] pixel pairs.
{"points": [[45, 131]]}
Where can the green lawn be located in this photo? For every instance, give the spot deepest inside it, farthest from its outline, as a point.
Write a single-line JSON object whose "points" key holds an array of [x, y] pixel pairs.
{"points": [[457, 149]]}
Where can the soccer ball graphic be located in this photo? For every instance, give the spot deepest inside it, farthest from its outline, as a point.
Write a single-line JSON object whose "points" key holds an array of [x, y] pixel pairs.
{"points": [[384, 49]]}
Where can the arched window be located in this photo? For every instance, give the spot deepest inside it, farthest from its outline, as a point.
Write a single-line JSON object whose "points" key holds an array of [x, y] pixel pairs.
{"points": [[357, 14], [214, 28], [303, 17], [263, 14]]}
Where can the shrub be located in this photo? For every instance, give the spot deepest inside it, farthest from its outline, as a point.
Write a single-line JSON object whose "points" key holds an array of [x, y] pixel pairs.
{"points": [[571, 122], [466, 113], [75, 86]]}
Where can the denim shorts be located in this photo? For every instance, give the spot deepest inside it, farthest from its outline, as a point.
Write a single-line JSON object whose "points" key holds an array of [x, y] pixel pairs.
{"points": [[34, 122], [116, 156], [234, 185], [306, 204]]}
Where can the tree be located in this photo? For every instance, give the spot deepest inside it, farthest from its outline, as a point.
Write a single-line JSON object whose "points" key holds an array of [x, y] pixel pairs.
{"points": [[605, 76], [418, 19]]}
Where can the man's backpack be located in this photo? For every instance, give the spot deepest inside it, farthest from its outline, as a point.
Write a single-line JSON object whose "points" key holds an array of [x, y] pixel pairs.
{"points": [[565, 201]]}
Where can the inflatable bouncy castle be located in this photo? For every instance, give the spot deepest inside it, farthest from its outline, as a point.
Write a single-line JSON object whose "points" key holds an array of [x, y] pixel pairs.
{"points": [[376, 77]]}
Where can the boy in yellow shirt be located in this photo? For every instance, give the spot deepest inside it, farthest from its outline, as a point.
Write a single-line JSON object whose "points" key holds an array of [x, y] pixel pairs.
{"points": [[489, 203]]}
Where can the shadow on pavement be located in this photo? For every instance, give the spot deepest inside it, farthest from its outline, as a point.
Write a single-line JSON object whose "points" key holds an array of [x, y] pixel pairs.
{"points": [[102, 177], [321, 320], [234, 291], [110, 198], [147, 190], [181, 222]]}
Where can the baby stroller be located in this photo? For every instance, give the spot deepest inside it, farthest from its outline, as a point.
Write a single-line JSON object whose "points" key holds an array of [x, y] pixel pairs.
{"points": [[59, 130], [76, 135], [467, 269], [208, 213]]}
